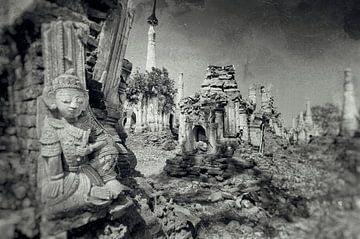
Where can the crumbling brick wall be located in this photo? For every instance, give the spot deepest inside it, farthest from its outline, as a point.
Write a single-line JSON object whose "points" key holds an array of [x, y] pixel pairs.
{"points": [[20, 147], [27, 87]]}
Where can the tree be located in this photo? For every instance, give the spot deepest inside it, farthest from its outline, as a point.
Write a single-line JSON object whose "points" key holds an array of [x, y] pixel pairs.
{"points": [[327, 118], [151, 84]]}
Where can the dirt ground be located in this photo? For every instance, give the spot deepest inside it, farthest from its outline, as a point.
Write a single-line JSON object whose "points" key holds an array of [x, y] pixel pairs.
{"points": [[303, 191], [149, 151]]}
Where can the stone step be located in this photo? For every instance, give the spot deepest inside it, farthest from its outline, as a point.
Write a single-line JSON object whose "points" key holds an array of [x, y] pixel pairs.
{"points": [[92, 41], [95, 27], [93, 13]]}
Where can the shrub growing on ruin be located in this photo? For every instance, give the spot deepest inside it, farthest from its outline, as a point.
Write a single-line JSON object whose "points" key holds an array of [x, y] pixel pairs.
{"points": [[157, 83]]}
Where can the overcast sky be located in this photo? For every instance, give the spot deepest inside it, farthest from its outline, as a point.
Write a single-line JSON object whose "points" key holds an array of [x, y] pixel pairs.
{"points": [[300, 47]]}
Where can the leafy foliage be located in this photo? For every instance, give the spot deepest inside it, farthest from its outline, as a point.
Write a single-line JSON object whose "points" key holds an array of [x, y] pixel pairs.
{"points": [[143, 86], [327, 117]]}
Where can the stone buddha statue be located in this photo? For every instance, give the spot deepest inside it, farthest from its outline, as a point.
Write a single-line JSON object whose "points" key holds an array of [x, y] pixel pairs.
{"points": [[77, 158]]}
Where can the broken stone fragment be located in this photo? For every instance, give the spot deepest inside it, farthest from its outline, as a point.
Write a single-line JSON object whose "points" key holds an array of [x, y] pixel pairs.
{"points": [[216, 196], [227, 195], [10, 131], [19, 191]]}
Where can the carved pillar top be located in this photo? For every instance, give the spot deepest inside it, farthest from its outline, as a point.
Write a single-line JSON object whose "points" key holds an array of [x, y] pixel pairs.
{"points": [[63, 48], [112, 46]]}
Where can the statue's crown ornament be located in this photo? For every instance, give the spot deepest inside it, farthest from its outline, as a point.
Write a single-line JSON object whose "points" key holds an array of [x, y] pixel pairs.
{"points": [[67, 80]]}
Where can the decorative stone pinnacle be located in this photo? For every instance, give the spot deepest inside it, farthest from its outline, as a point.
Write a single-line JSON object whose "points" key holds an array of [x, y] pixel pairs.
{"points": [[152, 20], [348, 74]]}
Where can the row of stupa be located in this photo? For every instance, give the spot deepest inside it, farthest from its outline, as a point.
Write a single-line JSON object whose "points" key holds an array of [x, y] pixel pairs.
{"points": [[304, 128]]}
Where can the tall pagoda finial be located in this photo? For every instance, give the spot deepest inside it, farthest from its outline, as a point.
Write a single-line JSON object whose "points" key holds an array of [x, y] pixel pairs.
{"points": [[152, 20]]}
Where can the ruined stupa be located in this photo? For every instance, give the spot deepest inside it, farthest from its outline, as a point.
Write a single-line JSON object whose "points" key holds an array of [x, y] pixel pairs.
{"points": [[303, 127], [148, 113], [151, 53], [349, 115]]}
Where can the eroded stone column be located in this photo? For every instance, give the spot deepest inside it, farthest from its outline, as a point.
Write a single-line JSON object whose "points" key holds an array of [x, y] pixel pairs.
{"points": [[181, 137], [219, 119], [232, 120], [301, 128], [237, 117], [150, 59], [244, 124], [145, 103], [213, 138], [189, 142], [308, 115], [226, 121], [150, 115], [138, 123]]}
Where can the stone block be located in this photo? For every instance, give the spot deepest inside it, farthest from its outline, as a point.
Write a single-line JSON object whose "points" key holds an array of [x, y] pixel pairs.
{"points": [[7, 228], [22, 145], [19, 74], [31, 92], [32, 144], [26, 121], [96, 27], [32, 167], [17, 95], [20, 108], [10, 131], [92, 41], [12, 144], [117, 211], [34, 77], [31, 107], [221, 160], [177, 173], [32, 133], [22, 132], [216, 196], [19, 190], [215, 171], [27, 225]]}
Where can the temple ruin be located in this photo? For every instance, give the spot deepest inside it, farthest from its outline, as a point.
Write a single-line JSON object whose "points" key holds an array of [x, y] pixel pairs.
{"points": [[218, 119], [67, 164]]}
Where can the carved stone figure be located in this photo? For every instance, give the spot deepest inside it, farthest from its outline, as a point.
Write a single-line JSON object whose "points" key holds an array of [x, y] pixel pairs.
{"points": [[78, 159]]}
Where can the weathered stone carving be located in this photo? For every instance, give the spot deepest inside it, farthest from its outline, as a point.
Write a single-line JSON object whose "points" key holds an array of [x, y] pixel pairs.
{"points": [[70, 180], [79, 159]]}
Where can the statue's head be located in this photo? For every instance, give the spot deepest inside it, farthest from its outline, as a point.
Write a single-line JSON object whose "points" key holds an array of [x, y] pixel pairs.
{"points": [[68, 95]]}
